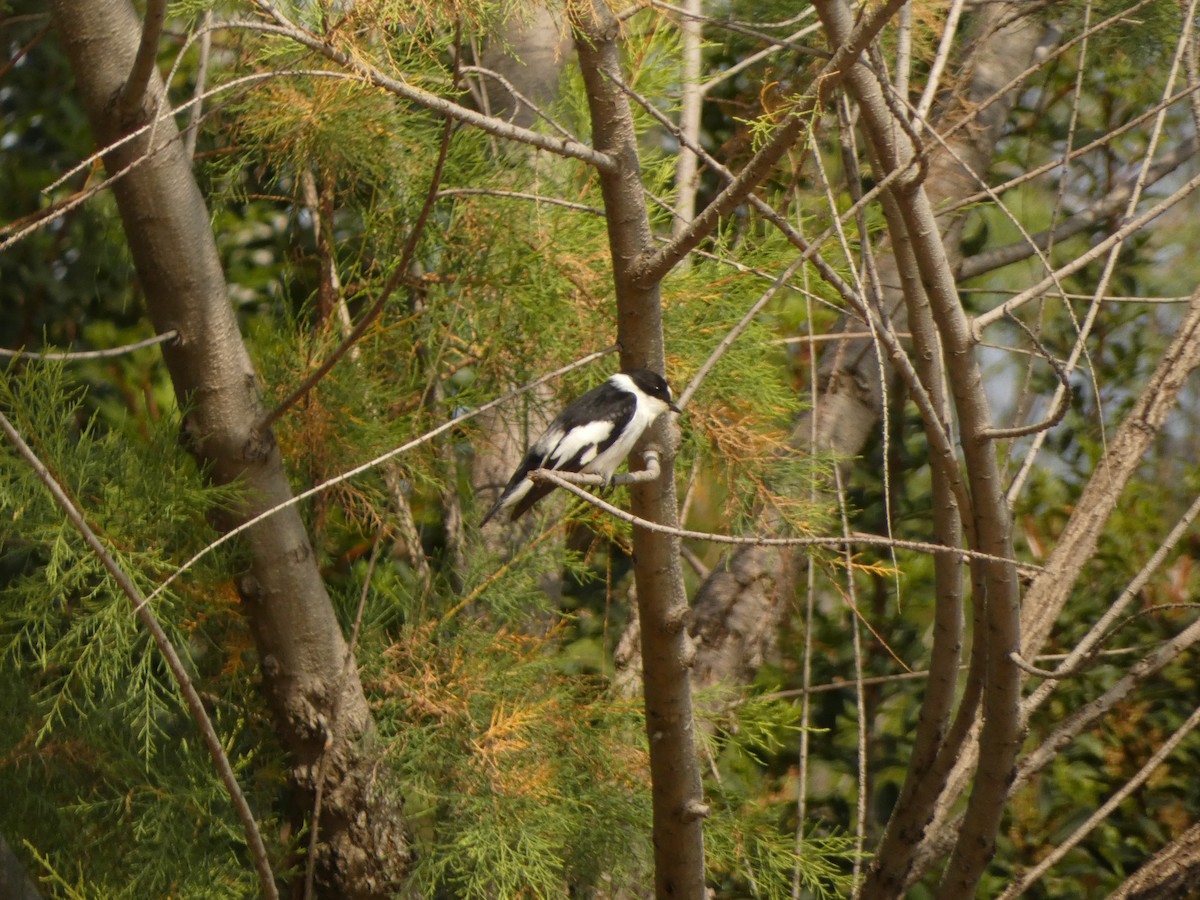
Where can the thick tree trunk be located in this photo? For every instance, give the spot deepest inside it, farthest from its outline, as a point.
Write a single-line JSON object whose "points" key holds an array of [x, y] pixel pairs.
{"points": [[365, 848]]}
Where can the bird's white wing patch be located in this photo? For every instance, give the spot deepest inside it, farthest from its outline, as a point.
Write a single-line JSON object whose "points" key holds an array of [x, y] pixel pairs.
{"points": [[580, 440], [546, 443]]}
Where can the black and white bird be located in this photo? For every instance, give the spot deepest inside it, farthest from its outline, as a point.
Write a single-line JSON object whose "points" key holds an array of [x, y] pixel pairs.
{"points": [[593, 435]]}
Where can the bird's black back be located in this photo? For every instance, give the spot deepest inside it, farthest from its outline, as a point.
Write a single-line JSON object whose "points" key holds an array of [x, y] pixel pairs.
{"points": [[604, 401]]}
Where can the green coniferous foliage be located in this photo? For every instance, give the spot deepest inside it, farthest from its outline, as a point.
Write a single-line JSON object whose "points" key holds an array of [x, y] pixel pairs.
{"points": [[95, 740]]}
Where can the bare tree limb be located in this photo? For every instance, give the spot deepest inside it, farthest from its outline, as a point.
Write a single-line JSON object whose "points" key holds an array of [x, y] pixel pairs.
{"points": [[146, 61], [1091, 712], [1048, 594], [193, 130], [1131, 226], [1096, 212], [80, 355], [1143, 774], [857, 537], [655, 266], [365, 850], [1172, 873], [489, 124], [990, 525]]}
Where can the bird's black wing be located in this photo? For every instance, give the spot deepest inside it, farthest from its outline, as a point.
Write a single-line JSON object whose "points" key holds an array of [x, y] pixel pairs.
{"points": [[567, 445], [605, 403]]}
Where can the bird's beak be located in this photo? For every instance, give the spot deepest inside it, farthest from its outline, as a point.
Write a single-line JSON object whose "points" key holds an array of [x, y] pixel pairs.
{"points": [[674, 407]]}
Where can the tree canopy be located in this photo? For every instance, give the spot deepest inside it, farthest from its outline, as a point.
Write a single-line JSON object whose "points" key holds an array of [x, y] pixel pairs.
{"points": [[907, 610]]}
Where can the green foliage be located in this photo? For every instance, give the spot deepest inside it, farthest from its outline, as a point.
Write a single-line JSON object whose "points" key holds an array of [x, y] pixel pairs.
{"points": [[471, 712], [752, 840], [95, 737]]}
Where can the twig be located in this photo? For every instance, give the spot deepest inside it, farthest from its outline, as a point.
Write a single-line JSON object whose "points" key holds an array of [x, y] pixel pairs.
{"points": [[1143, 774], [652, 268], [651, 472], [1131, 226], [488, 124], [933, 79], [518, 96], [519, 195], [1110, 263], [400, 272], [740, 28], [174, 663], [736, 331], [857, 537], [1097, 211], [1108, 137], [58, 210], [1062, 398], [1104, 627], [746, 61], [860, 696], [193, 129], [370, 464], [77, 355]]}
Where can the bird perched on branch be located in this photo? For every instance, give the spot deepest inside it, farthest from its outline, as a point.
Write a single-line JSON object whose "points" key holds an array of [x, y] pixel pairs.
{"points": [[593, 435]]}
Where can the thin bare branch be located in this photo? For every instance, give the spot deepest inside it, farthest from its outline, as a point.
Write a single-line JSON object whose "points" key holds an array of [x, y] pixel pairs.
{"points": [[559, 146], [652, 469], [934, 79], [1108, 137], [786, 134], [1099, 632], [520, 195], [742, 28], [520, 98], [736, 331], [373, 463], [81, 355], [1143, 774], [1097, 211], [398, 274], [192, 132], [858, 537], [1131, 226]]}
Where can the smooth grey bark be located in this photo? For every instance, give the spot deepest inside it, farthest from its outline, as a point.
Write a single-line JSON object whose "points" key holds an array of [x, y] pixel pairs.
{"points": [[1047, 595], [365, 849], [15, 883], [989, 525], [667, 652]]}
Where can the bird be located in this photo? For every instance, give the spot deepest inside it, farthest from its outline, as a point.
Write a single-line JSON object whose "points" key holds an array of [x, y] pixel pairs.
{"points": [[592, 435]]}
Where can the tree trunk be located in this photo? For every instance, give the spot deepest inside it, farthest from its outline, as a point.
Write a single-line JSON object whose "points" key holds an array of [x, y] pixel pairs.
{"points": [[667, 652], [365, 850]]}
